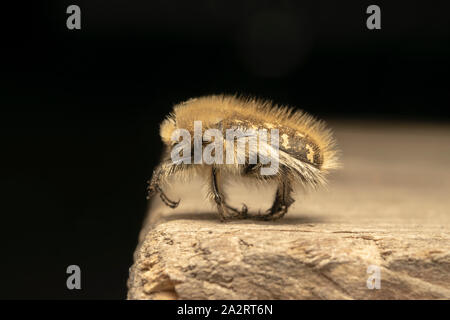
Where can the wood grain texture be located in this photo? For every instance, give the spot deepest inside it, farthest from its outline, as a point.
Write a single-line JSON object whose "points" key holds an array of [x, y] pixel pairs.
{"points": [[389, 207]]}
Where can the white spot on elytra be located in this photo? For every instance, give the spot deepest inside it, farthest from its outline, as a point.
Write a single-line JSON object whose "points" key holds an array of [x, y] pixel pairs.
{"points": [[310, 153], [285, 139]]}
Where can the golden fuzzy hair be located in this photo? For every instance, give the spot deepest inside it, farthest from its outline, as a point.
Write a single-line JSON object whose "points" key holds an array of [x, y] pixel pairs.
{"points": [[212, 109]]}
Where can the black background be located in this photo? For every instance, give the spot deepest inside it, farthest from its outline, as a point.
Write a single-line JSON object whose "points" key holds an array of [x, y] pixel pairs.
{"points": [[80, 109]]}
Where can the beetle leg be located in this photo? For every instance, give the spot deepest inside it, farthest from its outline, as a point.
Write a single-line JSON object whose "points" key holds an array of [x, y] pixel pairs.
{"points": [[225, 211], [154, 187], [281, 204]]}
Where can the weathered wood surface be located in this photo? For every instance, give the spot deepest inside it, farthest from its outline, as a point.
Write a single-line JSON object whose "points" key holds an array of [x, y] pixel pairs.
{"points": [[389, 207]]}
